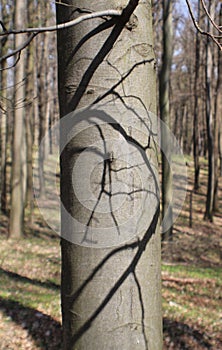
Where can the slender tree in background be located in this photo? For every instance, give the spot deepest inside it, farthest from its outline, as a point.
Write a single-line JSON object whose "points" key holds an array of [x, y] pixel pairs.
{"points": [[41, 56], [196, 111], [33, 106], [4, 108], [217, 118], [110, 296], [220, 146], [210, 125], [18, 183], [29, 109], [45, 85], [183, 85], [164, 101]]}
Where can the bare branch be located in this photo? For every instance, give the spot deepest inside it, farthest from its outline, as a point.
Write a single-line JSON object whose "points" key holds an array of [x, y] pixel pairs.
{"points": [[14, 64], [3, 26], [215, 38], [72, 23], [80, 10], [37, 30], [62, 3], [210, 17], [19, 49]]}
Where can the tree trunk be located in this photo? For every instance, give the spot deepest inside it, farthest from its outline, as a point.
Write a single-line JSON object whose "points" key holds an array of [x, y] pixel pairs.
{"points": [[110, 296], [19, 148], [220, 147], [196, 111], [29, 121], [3, 111], [42, 86], [217, 117], [3, 115], [166, 147], [210, 130]]}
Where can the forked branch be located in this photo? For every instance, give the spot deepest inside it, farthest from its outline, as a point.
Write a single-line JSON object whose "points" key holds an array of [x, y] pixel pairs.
{"points": [[216, 38]]}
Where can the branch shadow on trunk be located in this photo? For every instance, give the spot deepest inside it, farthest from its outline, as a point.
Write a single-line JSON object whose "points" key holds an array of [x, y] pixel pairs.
{"points": [[140, 245]]}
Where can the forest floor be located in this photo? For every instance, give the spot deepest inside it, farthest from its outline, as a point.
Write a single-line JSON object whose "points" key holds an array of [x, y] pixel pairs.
{"points": [[30, 316]]}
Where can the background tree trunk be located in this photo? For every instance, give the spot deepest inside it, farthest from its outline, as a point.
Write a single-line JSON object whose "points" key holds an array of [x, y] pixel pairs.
{"points": [[164, 99], [210, 128], [3, 110], [196, 110], [19, 148], [110, 296], [42, 89], [29, 120], [217, 117]]}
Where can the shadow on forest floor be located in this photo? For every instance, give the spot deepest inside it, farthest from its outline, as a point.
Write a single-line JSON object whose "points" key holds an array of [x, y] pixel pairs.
{"points": [[44, 330], [24, 279], [181, 336]]}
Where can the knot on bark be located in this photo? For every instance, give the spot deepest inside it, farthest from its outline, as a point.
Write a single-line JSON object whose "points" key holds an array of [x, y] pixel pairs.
{"points": [[132, 23]]}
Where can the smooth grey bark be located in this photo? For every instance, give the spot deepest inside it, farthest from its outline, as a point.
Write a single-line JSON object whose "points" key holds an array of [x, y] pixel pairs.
{"points": [[3, 116], [18, 183], [196, 110], [217, 121], [42, 89], [164, 101], [210, 128], [29, 121], [220, 146], [3, 111], [41, 115], [110, 296]]}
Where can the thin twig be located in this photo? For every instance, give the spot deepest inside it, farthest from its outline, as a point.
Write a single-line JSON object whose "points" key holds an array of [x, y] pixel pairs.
{"points": [[14, 64], [82, 10], [210, 17], [212, 36], [62, 3], [72, 23], [3, 26], [19, 49]]}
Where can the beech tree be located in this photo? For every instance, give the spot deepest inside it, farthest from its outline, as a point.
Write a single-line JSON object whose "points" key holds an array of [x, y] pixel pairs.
{"points": [[18, 183], [196, 150], [3, 110], [217, 118], [164, 99], [210, 126], [111, 295]]}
